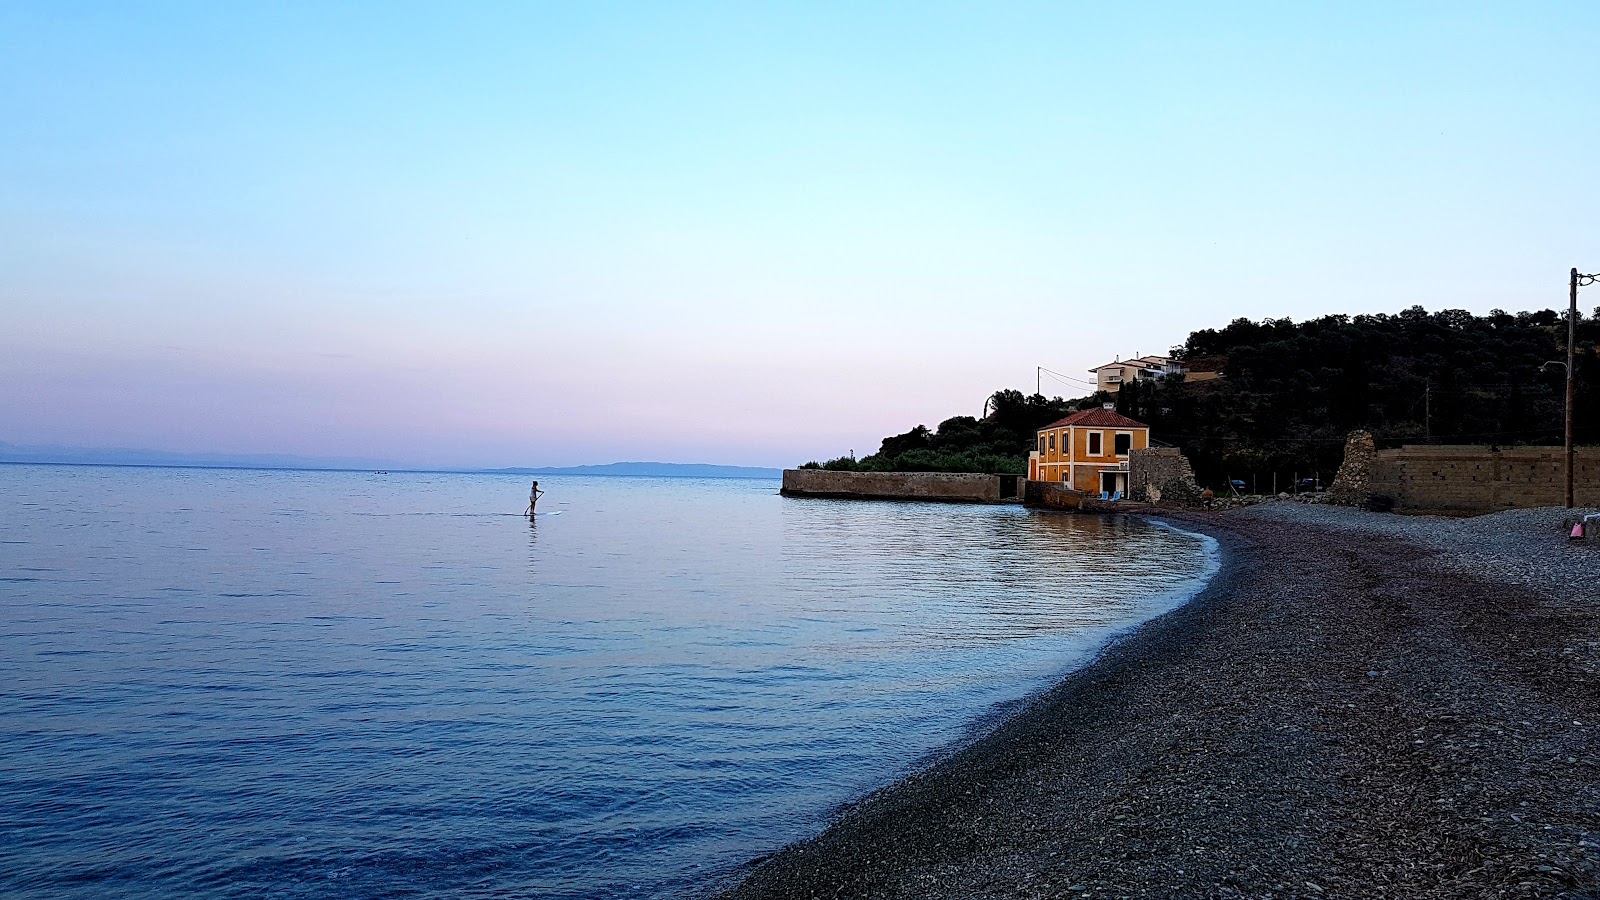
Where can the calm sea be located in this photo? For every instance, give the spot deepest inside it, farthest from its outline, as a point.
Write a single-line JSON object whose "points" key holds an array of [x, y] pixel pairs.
{"points": [[222, 683]]}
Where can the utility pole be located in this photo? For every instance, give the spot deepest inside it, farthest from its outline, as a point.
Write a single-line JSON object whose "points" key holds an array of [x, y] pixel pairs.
{"points": [[1572, 389], [1572, 384]]}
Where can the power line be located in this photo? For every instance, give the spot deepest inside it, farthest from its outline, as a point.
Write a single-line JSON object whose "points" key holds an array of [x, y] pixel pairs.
{"points": [[1065, 378]]}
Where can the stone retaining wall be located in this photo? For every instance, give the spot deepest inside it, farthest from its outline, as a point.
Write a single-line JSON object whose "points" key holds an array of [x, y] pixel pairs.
{"points": [[943, 486], [1471, 480]]}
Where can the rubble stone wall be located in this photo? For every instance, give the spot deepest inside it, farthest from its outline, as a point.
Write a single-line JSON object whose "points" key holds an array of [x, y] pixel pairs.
{"points": [[1351, 486], [1051, 495], [1161, 475]]}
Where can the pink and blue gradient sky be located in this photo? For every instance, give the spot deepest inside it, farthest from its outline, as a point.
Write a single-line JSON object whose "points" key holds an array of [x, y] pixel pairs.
{"points": [[546, 234]]}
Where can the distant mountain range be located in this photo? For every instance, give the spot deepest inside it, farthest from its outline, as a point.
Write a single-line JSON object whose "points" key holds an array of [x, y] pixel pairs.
{"points": [[121, 456], [124, 456], [657, 469]]}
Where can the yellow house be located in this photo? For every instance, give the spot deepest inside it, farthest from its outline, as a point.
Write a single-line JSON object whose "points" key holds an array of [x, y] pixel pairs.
{"points": [[1088, 450]]}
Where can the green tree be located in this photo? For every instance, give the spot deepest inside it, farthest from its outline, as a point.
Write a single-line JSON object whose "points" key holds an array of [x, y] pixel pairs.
{"points": [[1291, 391]]}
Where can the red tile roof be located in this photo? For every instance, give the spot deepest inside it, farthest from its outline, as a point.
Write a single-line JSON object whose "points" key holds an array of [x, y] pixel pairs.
{"points": [[1099, 417]]}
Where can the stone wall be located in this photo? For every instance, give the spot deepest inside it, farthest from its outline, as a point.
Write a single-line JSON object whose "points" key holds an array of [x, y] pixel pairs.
{"points": [[1351, 487], [1161, 475], [943, 486], [1471, 480], [1051, 495]]}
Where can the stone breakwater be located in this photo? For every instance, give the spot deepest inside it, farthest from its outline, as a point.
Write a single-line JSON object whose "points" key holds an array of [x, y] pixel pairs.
{"points": [[940, 486], [1358, 706]]}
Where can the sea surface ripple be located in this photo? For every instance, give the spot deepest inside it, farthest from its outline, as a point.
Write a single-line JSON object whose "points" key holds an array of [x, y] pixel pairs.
{"points": [[233, 683]]}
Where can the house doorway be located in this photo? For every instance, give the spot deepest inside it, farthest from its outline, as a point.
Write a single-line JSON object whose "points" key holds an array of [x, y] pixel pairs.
{"points": [[1113, 482]]}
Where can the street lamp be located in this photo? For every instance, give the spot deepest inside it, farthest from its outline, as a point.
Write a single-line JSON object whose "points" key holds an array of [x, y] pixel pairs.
{"points": [[1572, 390]]}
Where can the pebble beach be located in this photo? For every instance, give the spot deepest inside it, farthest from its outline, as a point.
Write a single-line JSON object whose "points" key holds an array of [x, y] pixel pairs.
{"points": [[1358, 705]]}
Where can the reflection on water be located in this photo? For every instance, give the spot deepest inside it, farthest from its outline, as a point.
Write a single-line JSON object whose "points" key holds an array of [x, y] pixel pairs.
{"points": [[961, 576], [341, 684]]}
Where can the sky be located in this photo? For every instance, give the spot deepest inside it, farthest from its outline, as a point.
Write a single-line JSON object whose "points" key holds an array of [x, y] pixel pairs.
{"points": [[502, 234]]}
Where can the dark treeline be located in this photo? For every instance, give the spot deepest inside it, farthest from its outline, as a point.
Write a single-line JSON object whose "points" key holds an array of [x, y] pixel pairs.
{"points": [[999, 442], [1291, 392]]}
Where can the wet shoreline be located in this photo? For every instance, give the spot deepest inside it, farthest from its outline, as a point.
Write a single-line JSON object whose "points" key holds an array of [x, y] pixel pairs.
{"points": [[1343, 711]]}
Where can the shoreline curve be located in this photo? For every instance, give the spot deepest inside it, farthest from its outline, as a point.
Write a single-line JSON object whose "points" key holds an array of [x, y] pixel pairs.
{"points": [[1338, 712]]}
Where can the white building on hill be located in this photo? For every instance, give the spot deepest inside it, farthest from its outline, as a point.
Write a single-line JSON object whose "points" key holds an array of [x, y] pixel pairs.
{"points": [[1113, 375]]}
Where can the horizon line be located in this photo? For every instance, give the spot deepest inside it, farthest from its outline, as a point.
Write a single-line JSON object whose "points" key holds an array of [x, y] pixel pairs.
{"points": [[402, 470]]}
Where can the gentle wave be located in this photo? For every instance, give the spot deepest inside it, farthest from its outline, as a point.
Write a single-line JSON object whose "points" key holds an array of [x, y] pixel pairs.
{"points": [[227, 683]]}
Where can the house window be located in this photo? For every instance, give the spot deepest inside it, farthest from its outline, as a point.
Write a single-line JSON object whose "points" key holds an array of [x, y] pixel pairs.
{"points": [[1052, 442], [1124, 442], [1095, 442], [1041, 443]]}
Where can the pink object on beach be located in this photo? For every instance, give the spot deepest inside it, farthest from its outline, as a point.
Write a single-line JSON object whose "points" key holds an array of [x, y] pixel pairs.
{"points": [[1577, 532]]}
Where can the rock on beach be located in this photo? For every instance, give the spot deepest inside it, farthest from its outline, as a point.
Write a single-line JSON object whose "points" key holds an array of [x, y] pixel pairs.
{"points": [[1359, 705]]}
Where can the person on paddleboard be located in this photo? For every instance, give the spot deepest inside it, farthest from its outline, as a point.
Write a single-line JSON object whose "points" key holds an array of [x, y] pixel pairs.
{"points": [[533, 498]]}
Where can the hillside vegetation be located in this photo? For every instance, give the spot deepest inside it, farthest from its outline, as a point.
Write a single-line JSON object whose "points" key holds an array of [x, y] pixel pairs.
{"points": [[1291, 391], [997, 443]]}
